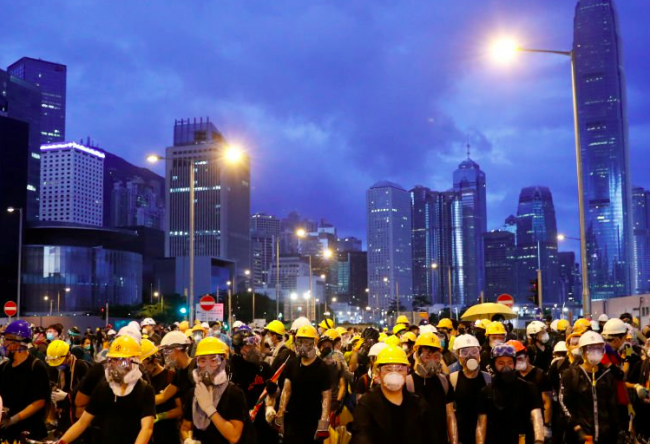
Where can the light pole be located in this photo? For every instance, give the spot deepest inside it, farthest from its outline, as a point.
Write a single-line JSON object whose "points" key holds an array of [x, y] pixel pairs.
{"points": [[229, 305], [276, 244], [20, 255], [47, 298], [506, 50], [250, 290], [58, 299]]}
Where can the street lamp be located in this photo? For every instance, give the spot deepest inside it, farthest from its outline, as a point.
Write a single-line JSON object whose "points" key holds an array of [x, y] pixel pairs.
{"points": [[505, 50], [47, 298], [58, 299], [20, 255]]}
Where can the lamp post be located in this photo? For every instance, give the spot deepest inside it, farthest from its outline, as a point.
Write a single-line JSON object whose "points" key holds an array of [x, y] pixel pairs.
{"points": [[47, 298], [506, 50], [301, 233], [20, 255], [58, 299]]}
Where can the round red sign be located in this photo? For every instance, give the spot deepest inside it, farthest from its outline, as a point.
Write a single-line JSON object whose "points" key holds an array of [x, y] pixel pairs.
{"points": [[207, 303], [506, 300], [11, 308]]}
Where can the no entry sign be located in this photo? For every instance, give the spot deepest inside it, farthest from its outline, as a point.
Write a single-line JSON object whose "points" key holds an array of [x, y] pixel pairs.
{"points": [[207, 302], [11, 308], [506, 300]]}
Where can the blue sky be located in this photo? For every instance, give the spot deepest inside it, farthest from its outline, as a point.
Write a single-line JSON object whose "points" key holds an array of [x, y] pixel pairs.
{"points": [[332, 96]]}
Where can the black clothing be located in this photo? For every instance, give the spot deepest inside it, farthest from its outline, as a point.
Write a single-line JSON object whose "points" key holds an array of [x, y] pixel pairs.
{"points": [[231, 407], [19, 387], [540, 358], [558, 421], [467, 393], [508, 408], [540, 380], [379, 421], [183, 380], [68, 381], [93, 378], [166, 431], [438, 395]]}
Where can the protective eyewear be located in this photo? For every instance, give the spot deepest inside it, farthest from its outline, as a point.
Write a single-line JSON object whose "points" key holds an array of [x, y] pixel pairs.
{"points": [[597, 348], [574, 341], [469, 352], [302, 342], [251, 340], [118, 362], [212, 361], [388, 368]]}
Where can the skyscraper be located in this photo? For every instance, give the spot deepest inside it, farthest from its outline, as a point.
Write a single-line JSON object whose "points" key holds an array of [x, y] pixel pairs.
{"points": [[500, 262], [388, 213], [641, 231], [422, 237], [603, 124], [265, 230], [222, 195], [569, 277], [265, 224], [72, 183], [469, 183], [537, 244], [50, 78]]}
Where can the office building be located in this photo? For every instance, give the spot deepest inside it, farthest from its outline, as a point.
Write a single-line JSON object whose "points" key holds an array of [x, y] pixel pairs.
{"points": [[641, 231], [72, 183], [604, 140], [352, 269], [350, 244], [422, 241], [388, 211], [569, 278], [266, 224], [500, 264]]}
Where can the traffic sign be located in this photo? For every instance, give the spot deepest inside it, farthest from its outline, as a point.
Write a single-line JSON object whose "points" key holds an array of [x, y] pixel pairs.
{"points": [[506, 299], [207, 302], [214, 314], [11, 308]]}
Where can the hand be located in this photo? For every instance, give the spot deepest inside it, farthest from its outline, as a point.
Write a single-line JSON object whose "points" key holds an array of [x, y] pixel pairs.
{"points": [[191, 441], [269, 415], [322, 432], [203, 396], [271, 388], [279, 424], [58, 395], [8, 422], [339, 409], [547, 432]]}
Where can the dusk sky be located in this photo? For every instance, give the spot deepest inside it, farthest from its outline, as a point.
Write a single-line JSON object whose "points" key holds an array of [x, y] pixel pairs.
{"points": [[329, 97]]}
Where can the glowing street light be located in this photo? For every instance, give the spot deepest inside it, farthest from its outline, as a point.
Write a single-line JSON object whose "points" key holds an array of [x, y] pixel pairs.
{"points": [[234, 154], [301, 232], [504, 50], [327, 253]]}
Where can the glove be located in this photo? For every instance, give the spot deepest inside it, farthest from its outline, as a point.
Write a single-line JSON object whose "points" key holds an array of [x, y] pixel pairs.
{"points": [[547, 432], [269, 415], [271, 388], [203, 396], [279, 424], [641, 391], [160, 417], [8, 422], [322, 432], [191, 441], [58, 395]]}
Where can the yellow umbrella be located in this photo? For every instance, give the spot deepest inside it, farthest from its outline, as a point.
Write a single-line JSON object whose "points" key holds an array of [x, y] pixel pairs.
{"points": [[487, 310]]}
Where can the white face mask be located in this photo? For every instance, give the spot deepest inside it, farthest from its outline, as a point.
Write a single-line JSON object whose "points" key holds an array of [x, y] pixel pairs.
{"points": [[521, 366], [545, 337], [495, 342], [594, 357], [394, 381], [471, 364], [576, 352]]}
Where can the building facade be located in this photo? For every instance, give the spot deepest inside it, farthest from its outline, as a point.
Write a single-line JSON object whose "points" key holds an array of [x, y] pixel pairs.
{"points": [[352, 269], [641, 231], [500, 264], [569, 277], [603, 125], [422, 236]]}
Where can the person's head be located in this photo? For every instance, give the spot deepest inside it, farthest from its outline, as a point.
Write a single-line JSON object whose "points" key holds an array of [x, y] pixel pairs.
{"points": [[626, 317], [537, 332], [522, 363], [615, 332], [415, 329], [408, 341], [17, 337], [496, 334], [87, 344], [198, 333], [54, 332], [374, 352], [428, 354], [602, 320], [149, 357], [592, 347], [122, 358], [560, 350], [445, 325], [503, 361], [463, 328], [276, 331], [306, 339], [211, 355], [247, 344], [399, 330], [392, 368], [148, 325], [174, 348], [581, 325], [573, 350], [326, 324], [328, 342], [58, 354]]}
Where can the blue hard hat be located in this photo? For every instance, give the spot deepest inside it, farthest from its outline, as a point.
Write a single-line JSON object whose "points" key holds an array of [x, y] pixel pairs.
{"points": [[504, 350], [20, 329]]}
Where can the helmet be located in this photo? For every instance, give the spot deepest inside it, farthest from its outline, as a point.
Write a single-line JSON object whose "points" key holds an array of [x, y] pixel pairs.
{"points": [[614, 327], [56, 353], [128, 330], [581, 325], [595, 326], [211, 346], [147, 349], [326, 324], [206, 325], [19, 329], [480, 324], [111, 332], [307, 331], [504, 350], [590, 338], [427, 340], [124, 347], [332, 335], [398, 328], [560, 347], [562, 325], [237, 324], [147, 321], [183, 326], [198, 327], [188, 332], [554, 325], [409, 336], [301, 321], [518, 346], [464, 341], [603, 318], [428, 329], [392, 340], [174, 339], [495, 328], [402, 320], [382, 337], [445, 323], [341, 330], [535, 327], [375, 349], [276, 327], [392, 355]]}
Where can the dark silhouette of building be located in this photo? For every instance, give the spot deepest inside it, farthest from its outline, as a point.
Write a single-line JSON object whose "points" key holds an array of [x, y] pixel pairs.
{"points": [[641, 231], [500, 264]]}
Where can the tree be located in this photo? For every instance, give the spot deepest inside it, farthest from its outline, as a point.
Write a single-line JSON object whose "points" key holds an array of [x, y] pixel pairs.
{"points": [[242, 307], [390, 310], [420, 301]]}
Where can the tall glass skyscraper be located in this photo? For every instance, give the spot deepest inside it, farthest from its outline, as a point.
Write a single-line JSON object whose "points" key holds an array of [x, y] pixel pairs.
{"points": [[537, 244], [641, 231], [602, 114], [422, 222]]}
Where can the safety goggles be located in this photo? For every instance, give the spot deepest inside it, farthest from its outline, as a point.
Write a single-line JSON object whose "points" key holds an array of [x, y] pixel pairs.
{"points": [[595, 348], [119, 362], [574, 341], [389, 368], [469, 352], [212, 361], [304, 342], [251, 340]]}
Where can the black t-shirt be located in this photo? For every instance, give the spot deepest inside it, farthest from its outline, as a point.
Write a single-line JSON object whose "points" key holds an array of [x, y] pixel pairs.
{"points": [[467, 393], [20, 386], [183, 379], [232, 407], [433, 391], [308, 382], [93, 377], [540, 380], [165, 431], [396, 415], [119, 416], [508, 411]]}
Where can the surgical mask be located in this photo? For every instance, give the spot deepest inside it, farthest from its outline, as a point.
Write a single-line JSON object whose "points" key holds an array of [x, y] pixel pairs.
{"points": [[544, 339], [394, 381], [576, 352], [495, 342], [471, 364], [443, 343], [521, 366], [50, 336], [594, 357], [87, 347]]}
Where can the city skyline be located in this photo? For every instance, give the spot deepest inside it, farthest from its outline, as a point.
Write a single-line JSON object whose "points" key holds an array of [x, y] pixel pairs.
{"points": [[287, 129]]}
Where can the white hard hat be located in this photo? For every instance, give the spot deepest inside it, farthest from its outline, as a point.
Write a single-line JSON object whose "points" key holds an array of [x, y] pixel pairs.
{"points": [[205, 325], [237, 324], [554, 325], [300, 322], [614, 326], [428, 328], [603, 318], [590, 338], [464, 341], [128, 330], [375, 349], [174, 338], [560, 347], [535, 327], [147, 321], [595, 326], [111, 332]]}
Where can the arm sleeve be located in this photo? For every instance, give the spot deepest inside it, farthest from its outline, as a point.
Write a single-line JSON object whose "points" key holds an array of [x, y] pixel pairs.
{"points": [[148, 401]]}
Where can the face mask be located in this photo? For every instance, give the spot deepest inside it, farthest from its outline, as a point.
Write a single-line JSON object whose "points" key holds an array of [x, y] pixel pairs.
{"points": [[197, 337], [521, 366], [117, 374], [86, 347], [544, 339], [325, 352], [215, 377], [405, 348], [254, 356], [306, 352], [170, 362], [576, 352], [443, 343], [495, 342], [430, 368], [471, 364], [594, 357], [394, 381], [50, 336], [507, 375]]}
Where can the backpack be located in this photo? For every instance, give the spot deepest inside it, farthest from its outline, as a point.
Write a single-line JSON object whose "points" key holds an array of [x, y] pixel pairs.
{"points": [[453, 378], [410, 384]]}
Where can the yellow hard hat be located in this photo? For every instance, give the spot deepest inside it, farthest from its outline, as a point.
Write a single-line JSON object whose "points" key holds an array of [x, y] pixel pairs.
{"points": [[427, 340], [562, 325], [382, 336], [57, 351], [581, 325], [398, 328], [276, 327], [211, 346], [188, 332], [332, 334], [124, 347], [198, 327], [327, 324], [402, 320], [307, 331], [183, 326], [392, 340], [495, 328], [445, 323], [392, 355], [409, 336], [147, 349], [341, 330]]}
